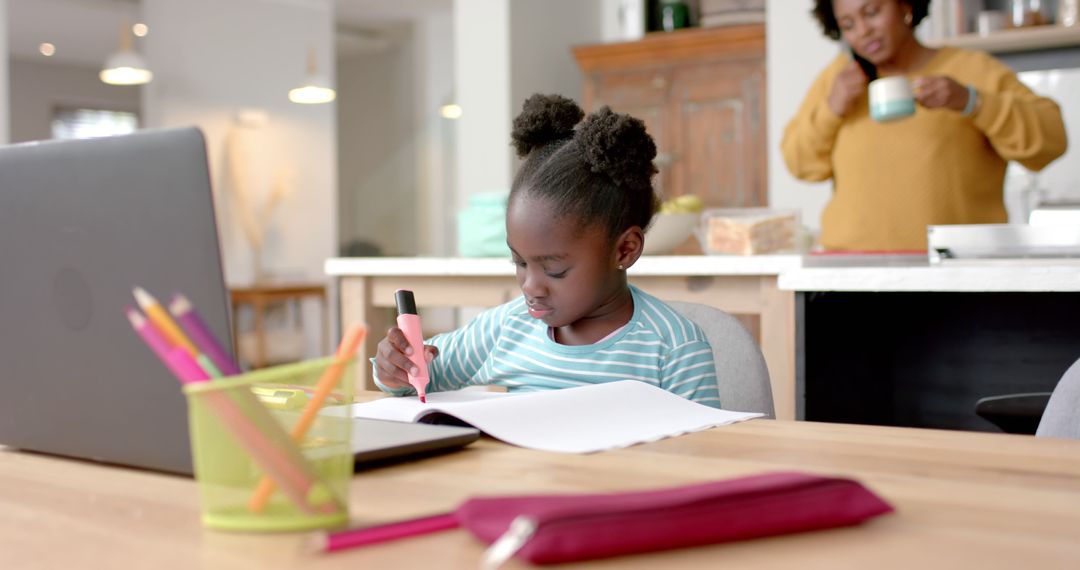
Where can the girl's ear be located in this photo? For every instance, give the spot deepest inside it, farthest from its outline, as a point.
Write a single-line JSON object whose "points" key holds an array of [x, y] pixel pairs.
{"points": [[628, 247]]}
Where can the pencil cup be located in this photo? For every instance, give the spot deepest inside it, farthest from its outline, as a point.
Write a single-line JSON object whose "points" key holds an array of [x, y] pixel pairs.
{"points": [[268, 455]]}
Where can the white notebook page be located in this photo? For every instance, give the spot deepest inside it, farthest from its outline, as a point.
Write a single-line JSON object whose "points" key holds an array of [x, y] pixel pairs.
{"points": [[573, 420]]}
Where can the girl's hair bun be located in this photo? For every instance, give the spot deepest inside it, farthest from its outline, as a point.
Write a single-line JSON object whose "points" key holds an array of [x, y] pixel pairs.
{"points": [[544, 119], [616, 145]]}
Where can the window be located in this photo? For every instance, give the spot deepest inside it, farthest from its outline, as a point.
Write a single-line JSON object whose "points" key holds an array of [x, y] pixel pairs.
{"points": [[88, 123]]}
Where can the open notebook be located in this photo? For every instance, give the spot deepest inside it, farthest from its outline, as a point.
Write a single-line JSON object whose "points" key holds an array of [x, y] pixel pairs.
{"points": [[583, 419]]}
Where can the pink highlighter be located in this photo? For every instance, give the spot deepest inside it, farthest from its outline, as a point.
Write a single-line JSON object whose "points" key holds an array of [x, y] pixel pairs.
{"points": [[409, 323]]}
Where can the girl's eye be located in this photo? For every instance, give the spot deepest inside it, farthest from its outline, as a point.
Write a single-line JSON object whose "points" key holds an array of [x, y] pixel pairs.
{"points": [[517, 263], [558, 275]]}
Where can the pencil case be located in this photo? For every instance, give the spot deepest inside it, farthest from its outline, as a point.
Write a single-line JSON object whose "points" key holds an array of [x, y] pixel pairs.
{"points": [[549, 529]]}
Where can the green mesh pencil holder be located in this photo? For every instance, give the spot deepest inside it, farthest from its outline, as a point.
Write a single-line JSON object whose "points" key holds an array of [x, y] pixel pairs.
{"points": [[253, 473]]}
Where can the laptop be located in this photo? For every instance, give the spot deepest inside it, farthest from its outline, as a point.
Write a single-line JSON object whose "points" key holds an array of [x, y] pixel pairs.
{"points": [[81, 223], [379, 442]]}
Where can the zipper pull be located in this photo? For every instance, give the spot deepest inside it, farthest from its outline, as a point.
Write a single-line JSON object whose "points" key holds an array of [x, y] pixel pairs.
{"points": [[516, 536]]}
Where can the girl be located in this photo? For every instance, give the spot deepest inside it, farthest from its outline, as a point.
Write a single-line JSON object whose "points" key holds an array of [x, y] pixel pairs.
{"points": [[575, 223]]}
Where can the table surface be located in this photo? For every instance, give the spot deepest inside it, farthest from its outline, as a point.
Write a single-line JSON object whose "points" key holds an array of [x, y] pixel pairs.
{"points": [[963, 500]]}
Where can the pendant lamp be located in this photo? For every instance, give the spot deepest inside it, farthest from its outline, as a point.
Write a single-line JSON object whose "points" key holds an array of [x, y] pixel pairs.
{"points": [[126, 67], [315, 89]]}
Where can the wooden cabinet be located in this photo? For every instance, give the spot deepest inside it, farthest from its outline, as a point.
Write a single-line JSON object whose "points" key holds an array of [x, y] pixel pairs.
{"points": [[701, 93]]}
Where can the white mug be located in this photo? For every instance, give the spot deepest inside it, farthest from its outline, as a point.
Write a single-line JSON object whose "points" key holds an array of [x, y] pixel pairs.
{"points": [[891, 98]]}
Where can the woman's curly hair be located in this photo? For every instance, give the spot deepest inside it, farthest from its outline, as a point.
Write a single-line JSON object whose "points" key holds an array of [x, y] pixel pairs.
{"points": [[823, 13]]}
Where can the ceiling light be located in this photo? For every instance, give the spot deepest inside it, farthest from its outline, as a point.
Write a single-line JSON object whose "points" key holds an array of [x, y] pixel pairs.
{"points": [[315, 89], [451, 111], [47, 49], [140, 29], [125, 67]]}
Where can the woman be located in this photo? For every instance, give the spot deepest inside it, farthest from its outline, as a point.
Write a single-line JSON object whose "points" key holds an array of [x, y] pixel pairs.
{"points": [[943, 165]]}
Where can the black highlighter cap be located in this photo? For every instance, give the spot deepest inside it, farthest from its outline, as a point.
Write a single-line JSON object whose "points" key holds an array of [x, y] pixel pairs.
{"points": [[406, 303]]}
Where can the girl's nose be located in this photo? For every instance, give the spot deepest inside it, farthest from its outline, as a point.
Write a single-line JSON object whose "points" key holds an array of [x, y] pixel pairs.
{"points": [[532, 286]]}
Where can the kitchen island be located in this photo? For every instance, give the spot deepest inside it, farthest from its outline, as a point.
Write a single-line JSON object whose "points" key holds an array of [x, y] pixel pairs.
{"points": [[742, 285], [918, 345]]}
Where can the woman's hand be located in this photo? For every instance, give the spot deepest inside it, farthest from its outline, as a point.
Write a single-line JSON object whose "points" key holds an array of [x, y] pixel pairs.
{"points": [[392, 359], [849, 85], [940, 92]]}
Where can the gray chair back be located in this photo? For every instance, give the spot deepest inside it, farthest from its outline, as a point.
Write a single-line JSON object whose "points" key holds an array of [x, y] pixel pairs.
{"points": [[1062, 415], [740, 366]]}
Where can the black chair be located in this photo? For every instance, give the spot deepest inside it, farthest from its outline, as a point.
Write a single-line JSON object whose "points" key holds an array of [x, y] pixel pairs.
{"points": [[1014, 413], [1044, 414]]}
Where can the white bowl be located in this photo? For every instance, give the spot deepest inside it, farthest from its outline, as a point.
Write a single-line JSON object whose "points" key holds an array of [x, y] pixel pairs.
{"points": [[668, 231]]}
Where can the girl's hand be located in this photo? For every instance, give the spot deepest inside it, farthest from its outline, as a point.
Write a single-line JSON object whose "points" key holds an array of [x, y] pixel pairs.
{"points": [[392, 359], [849, 85], [940, 92]]}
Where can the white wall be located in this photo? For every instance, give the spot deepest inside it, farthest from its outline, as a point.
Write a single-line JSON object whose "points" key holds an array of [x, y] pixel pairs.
{"points": [[482, 84], [504, 52], [795, 53], [38, 89], [5, 104], [377, 148], [436, 148], [212, 58], [542, 34], [395, 151]]}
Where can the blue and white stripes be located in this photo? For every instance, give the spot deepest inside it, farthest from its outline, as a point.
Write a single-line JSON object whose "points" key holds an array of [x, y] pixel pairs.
{"points": [[504, 346]]}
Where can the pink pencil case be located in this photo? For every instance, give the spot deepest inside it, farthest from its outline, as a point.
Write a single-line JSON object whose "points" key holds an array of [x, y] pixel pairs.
{"points": [[548, 529]]}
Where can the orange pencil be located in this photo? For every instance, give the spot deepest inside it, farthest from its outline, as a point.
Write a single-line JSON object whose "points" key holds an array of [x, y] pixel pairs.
{"points": [[349, 343], [163, 322]]}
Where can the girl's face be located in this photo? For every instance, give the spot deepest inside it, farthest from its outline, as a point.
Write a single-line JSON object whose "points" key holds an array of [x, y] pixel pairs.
{"points": [[875, 29], [569, 274]]}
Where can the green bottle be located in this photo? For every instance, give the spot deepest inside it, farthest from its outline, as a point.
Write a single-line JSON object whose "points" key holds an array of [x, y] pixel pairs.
{"points": [[674, 14]]}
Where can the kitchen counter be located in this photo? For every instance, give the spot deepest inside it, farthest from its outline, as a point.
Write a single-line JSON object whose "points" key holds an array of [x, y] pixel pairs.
{"points": [[1020, 275], [702, 265]]}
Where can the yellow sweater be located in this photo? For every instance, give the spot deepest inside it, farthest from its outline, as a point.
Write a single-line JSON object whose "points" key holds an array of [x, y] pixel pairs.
{"points": [[891, 180]]}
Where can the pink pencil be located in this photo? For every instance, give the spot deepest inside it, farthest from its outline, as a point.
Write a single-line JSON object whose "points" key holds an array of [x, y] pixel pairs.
{"points": [[351, 538], [185, 314]]}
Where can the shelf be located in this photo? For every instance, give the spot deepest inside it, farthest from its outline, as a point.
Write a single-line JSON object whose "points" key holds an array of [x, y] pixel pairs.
{"points": [[1023, 39]]}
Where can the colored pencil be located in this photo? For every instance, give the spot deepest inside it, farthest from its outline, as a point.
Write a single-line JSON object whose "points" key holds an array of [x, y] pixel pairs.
{"points": [[196, 329], [346, 349], [163, 322], [148, 333], [354, 537]]}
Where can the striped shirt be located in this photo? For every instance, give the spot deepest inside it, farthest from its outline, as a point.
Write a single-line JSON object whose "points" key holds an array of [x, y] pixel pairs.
{"points": [[504, 346]]}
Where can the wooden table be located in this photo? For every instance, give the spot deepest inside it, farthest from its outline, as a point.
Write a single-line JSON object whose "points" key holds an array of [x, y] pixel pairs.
{"points": [[741, 285], [259, 297], [963, 500]]}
